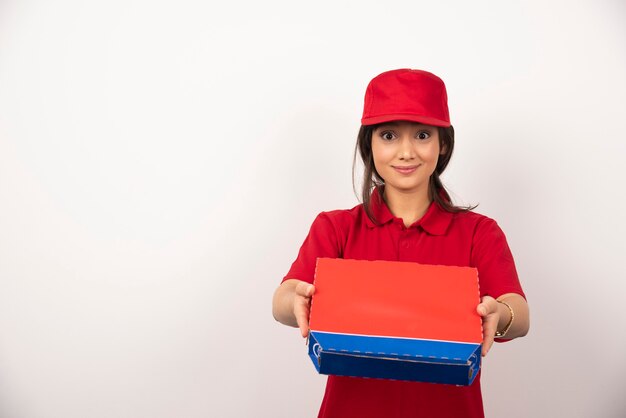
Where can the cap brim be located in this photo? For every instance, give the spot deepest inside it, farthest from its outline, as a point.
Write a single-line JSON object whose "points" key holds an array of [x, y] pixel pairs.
{"points": [[375, 120]]}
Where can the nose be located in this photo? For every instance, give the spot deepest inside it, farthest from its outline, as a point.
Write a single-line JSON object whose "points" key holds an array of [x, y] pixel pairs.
{"points": [[406, 151]]}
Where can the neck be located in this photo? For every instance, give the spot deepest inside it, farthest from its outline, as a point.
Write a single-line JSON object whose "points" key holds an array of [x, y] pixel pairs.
{"points": [[409, 206]]}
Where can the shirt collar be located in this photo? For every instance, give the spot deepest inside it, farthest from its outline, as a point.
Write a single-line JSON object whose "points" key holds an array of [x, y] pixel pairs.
{"points": [[435, 221]]}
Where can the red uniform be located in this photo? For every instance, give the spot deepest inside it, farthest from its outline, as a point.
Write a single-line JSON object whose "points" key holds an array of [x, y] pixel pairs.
{"points": [[439, 237]]}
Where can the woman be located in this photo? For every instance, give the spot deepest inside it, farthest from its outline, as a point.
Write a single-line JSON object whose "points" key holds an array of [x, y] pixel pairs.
{"points": [[406, 141]]}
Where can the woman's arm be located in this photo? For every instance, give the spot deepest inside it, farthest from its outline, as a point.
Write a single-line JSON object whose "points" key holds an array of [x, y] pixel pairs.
{"points": [[292, 303], [496, 317]]}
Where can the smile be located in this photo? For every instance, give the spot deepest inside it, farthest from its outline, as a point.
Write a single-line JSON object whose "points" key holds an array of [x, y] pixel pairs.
{"points": [[405, 169]]}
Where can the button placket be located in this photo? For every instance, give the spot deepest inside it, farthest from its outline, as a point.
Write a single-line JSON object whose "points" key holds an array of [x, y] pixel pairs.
{"points": [[404, 245]]}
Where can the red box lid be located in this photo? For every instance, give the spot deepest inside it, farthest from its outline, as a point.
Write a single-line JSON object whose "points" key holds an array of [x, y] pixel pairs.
{"points": [[396, 299]]}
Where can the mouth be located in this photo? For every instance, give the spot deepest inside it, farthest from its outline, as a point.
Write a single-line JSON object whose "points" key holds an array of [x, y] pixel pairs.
{"points": [[406, 169]]}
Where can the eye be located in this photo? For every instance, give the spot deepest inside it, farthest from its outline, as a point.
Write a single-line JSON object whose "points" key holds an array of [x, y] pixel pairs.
{"points": [[423, 135], [387, 135]]}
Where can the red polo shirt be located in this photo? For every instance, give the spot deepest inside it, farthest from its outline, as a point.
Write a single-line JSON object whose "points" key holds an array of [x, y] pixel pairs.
{"points": [[439, 237]]}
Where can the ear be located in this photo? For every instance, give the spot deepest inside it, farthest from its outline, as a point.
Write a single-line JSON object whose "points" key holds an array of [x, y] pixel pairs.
{"points": [[443, 149]]}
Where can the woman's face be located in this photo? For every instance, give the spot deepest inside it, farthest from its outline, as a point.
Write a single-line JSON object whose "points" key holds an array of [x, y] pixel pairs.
{"points": [[405, 155]]}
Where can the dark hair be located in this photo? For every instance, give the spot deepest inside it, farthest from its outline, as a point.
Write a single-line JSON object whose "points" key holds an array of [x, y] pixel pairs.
{"points": [[371, 178]]}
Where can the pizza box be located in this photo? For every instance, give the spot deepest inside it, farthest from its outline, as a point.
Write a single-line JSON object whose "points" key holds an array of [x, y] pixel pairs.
{"points": [[395, 320]]}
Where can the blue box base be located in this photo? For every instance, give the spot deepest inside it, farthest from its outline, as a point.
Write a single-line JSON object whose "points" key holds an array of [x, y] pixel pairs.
{"points": [[395, 358]]}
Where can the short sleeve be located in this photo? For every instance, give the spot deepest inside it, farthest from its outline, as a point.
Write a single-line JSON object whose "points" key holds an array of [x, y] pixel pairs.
{"points": [[322, 241], [492, 258]]}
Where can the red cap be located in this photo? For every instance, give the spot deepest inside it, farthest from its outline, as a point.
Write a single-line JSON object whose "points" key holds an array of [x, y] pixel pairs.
{"points": [[413, 95]]}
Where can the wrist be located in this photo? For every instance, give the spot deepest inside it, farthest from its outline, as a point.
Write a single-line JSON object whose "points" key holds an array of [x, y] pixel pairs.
{"points": [[506, 317]]}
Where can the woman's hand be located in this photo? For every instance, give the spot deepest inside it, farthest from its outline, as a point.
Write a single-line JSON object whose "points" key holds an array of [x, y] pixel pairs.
{"points": [[488, 310], [292, 304], [302, 306]]}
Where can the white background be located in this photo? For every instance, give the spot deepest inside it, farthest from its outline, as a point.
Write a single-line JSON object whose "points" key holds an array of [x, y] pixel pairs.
{"points": [[161, 163]]}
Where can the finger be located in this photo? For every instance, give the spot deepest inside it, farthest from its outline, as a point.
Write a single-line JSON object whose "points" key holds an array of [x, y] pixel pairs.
{"points": [[482, 310], [487, 299], [489, 329], [486, 348], [485, 309], [310, 290], [301, 311], [305, 289], [487, 306]]}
